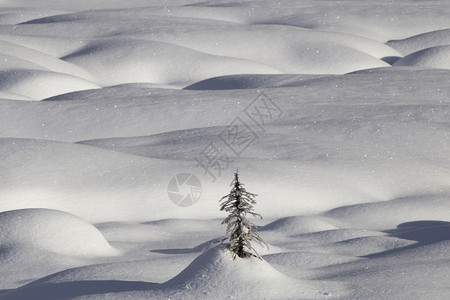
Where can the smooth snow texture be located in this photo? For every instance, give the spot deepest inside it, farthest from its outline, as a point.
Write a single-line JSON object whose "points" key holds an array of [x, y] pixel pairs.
{"points": [[291, 50], [421, 41], [213, 274], [82, 180], [53, 231], [132, 60], [103, 102], [435, 57], [46, 61], [38, 85]]}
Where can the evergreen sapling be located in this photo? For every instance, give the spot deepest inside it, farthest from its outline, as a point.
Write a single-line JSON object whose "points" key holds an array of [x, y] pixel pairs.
{"points": [[240, 232]]}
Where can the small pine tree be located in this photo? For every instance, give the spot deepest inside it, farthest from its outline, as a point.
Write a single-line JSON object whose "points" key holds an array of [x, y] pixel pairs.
{"points": [[240, 232]]}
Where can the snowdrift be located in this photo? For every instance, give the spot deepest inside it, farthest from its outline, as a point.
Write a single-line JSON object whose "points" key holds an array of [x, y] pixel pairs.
{"points": [[323, 152], [250, 81], [414, 272], [38, 84], [435, 57], [103, 102], [299, 225], [129, 61], [61, 176], [422, 41], [289, 50], [387, 214], [23, 49], [52, 231], [215, 274]]}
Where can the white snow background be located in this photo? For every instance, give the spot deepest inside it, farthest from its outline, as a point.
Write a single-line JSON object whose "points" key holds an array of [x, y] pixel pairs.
{"points": [[103, 102]]}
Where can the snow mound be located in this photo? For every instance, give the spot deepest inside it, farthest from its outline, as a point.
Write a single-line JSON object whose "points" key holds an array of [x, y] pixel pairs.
{"points": [[215, 274], [419, 272], [38, 84], [299, 224], [15, 15], [9, 62], [212, 275], [47, 47], [422, 41], [23, 49], [156, 145], [364, 245], [127, 61], [60, 176], [251, 81], [11, 96], [434, 57], [307, 260], [388, 214], [288, 49], [52, 231], [336, 235]]}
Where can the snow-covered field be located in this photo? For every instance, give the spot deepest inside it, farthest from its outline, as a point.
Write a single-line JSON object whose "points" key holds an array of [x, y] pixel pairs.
{"points": [[336, 113]]}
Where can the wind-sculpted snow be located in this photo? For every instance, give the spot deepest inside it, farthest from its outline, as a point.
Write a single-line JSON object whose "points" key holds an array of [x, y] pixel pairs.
{"points": [[86, 181], [435, 57], [52, 231], [213, 274], [422, 41], [289, 50], [28, 54], [148, 49], [131, 60], [38, 85], [106, 106]]}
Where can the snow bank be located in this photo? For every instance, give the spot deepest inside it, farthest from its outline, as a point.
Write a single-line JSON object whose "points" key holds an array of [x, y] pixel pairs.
{"points": [[381, 21], [46, 61], [422, 41], [8, 62], [10, 96], [414, 272], [252, 81], [298, 225], [55, 47], [215, 274], [52, 231], [288, 50], [132, 60], [306, 260], [359, 161], [434, 57], [38, 85], [387, 214], [86, 181], [361, 246], [11, 14]]}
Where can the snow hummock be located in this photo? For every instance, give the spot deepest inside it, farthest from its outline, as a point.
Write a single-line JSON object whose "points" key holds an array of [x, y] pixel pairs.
{"points": [[435, 57], [133, 60], [103, 102], [52, 231], [215, 274], [422, 41], [39, 84]]}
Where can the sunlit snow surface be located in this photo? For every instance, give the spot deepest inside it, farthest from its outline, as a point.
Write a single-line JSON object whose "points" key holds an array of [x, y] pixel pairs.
{"points": [[343, 109]]}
